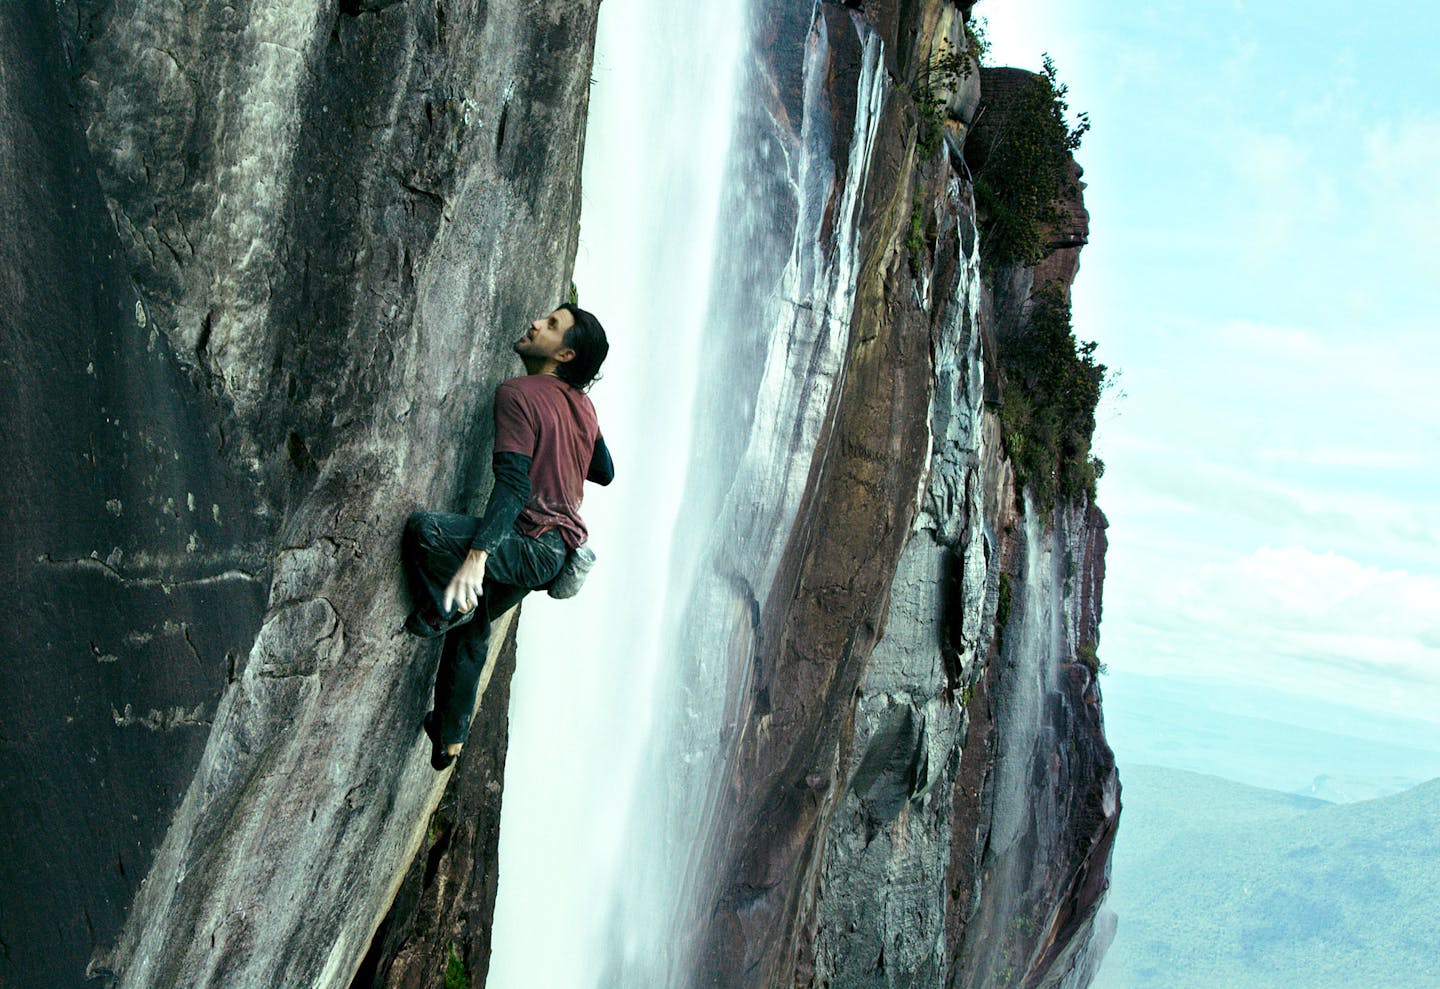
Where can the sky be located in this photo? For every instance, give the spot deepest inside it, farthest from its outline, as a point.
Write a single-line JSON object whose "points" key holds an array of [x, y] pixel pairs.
{"points": [[1265, 232]]}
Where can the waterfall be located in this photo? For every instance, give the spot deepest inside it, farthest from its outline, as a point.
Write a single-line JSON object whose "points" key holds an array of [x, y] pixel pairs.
{"points": [[583, 696], [719, 247]]}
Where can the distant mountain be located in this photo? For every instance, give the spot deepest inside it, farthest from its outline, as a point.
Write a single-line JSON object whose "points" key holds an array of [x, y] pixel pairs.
{"points": [[1344, 789], [1219, 885]]}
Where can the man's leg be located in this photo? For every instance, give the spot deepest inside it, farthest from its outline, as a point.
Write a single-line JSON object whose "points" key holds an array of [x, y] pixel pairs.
{"points": [[432, 548], [518, 564], [462, 661]]}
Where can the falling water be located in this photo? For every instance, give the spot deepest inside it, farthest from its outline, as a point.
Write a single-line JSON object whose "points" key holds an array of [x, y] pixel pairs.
{"points": [[583, 694], [725, 277]]}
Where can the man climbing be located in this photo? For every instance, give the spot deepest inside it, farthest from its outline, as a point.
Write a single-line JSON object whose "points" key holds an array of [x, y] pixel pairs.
{"points": [[547, 444]]}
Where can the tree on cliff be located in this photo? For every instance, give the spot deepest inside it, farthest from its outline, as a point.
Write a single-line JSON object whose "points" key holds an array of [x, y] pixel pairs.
{"points": [[1052, 386], [1020, 157]]}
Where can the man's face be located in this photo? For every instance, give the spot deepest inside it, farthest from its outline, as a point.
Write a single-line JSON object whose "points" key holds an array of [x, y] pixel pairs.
{"points": [[545, 337]]}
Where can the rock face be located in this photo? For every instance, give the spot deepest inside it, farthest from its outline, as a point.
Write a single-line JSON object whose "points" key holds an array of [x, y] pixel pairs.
{"points": [[263, 264], [443, 911], [135, 548], [920, 789]]}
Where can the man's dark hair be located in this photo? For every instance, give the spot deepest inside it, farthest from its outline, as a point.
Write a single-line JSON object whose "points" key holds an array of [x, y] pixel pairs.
{"points": [[587, 339]]}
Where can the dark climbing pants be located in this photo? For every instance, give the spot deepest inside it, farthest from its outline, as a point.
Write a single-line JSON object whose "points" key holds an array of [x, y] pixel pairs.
{"points": [[434, 546]]}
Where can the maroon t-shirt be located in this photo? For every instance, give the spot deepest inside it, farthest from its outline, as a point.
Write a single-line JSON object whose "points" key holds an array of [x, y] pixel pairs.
{"points": [[554, 424]]}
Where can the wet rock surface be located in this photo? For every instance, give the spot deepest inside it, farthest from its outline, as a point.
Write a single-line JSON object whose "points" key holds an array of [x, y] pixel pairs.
{"points": [[1025, 902], [445, 907], [921, 791], [271, 256]]}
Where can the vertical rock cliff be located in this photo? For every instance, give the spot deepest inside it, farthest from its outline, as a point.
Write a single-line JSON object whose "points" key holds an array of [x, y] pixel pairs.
{"points": [[918, 789], [263, 263]]}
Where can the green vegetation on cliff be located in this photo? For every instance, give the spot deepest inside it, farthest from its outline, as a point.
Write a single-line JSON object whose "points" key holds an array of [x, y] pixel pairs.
{"points": [[457, 976], [1020, 159], [1027, 197], [940, 76], [1052, 384]]}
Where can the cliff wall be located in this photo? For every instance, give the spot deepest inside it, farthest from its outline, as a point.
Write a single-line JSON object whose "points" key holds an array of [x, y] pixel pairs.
{"points": [[267, 255], [920, 792], [264, 263]]}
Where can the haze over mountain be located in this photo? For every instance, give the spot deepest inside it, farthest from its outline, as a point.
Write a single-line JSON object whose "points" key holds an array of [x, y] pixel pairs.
{"points": [[1267, 738], [1222, 884]]}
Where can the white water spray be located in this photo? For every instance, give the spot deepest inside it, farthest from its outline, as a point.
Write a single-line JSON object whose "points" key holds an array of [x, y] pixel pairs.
{"points": [[583, 693], [626, 700]]}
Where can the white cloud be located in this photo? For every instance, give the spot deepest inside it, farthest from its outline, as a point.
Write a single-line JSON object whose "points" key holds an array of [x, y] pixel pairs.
{"points": [[1398, 183], [1321, 624], [1282, 193], [1202, 507], [1347, 458], [1018, 34], [1268, 159], [1282, 435], [1271, 487], [1299, 590]]}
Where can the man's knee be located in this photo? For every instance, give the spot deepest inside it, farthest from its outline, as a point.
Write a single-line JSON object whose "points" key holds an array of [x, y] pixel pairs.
{"points": [[421, 525], [441, 535]]}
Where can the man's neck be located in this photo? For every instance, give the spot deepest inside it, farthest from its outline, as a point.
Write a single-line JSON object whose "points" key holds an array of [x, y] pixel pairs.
{"points": [[540, 365]]}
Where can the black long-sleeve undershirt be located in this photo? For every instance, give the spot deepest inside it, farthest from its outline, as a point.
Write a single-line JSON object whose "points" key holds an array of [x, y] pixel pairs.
{"points": [[512, 491], [602, 470], [507, 499]]}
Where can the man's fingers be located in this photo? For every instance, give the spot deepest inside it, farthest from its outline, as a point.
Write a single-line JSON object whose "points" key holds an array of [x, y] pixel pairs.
{"points": [[464, 589]]}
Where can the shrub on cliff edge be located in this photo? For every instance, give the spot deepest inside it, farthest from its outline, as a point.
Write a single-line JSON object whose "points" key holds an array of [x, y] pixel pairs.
{"points": [[939, 77], [1020, 161], [1052, 384]]}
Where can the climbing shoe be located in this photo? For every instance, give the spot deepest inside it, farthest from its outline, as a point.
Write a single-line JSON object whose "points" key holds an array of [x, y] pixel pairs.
{"points": [[427, 625], [439, 758]]}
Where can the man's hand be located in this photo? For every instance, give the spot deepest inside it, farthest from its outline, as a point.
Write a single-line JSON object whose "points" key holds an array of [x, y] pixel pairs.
{"points": [[465, 587]]}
